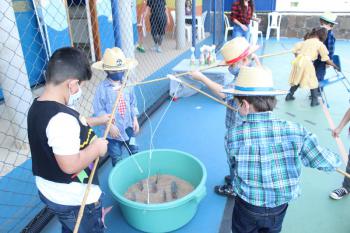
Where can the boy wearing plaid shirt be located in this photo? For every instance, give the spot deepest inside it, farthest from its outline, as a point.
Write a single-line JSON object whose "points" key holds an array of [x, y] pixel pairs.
{"points": [[236, 52], [122, 132], [266, 155]]}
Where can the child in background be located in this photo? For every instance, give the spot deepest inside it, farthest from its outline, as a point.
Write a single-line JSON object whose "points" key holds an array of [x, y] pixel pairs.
{"points": [[341, 192], [141, 27], [237, 52], [122, 132], [266, 155], [327, 20], [303, 72]]}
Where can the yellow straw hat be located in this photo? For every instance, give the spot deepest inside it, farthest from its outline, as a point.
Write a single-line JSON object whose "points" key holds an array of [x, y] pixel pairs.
{"points": [[329, 17], [236, 49], [254, 81], [114, 60]]}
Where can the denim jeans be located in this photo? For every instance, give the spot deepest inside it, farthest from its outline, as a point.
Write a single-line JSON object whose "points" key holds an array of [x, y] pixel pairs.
{"points": [[115, 147], [238, 31], [346, 182], [67, 215], [247, 218]]}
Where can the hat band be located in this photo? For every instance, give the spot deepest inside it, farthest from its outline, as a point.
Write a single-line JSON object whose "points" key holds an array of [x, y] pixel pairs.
{"points": [[239, 88], [244, 54], [111, 67]]}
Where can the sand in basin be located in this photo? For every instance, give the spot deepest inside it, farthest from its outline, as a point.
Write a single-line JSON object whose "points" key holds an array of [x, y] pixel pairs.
{"points": [[162, 188]]}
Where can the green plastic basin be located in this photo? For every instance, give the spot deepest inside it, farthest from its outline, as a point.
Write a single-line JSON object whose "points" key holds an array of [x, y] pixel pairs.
{"points": [[167, 216]]}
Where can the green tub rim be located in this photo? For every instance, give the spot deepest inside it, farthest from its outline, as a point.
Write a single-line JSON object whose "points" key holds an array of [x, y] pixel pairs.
{"points": [[197, 194]]}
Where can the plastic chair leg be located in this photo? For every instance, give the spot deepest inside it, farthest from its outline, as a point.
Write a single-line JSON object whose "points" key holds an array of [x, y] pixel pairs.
{"points": [[268, 33]]}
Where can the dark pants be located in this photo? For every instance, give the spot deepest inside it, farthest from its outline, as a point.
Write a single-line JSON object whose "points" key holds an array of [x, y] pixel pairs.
{"points": [[158, 25], [67, 215], [247, 218], [320, 68], [346, 182], [115, 147]]}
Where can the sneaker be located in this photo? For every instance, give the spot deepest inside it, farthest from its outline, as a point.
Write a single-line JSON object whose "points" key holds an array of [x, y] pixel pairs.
{"points": [[228, 179], [338, 193], [290, 97], [141, 49], [224, 190], [159, 50]]}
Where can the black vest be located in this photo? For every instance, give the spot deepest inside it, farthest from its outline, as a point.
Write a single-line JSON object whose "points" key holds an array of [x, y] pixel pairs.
{"points": [[44, 163]]}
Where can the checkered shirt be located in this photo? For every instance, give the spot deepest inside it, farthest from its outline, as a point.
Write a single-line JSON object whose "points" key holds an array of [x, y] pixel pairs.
{"points": [[242, 17], [266, 156]]}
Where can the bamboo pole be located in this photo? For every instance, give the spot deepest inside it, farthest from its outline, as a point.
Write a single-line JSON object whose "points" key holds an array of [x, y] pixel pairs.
{"points": [[274, 54], [206, 94], [82, 207], [339, 142]]}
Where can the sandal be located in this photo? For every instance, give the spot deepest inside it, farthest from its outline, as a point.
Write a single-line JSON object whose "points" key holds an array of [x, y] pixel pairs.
{"points": [[224, 190]]}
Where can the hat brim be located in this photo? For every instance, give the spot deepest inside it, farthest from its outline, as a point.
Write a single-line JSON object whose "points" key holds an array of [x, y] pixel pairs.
{"points": [[254, 93], [130, 63], [252, 49], [328, 20]]}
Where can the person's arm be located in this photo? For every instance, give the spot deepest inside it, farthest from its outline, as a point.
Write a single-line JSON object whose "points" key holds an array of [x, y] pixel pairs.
{"points": [[343, 122], [65, 144], [99, 120], [74, 163], [235, 15], [314, 156], [213, 86], [167, 15]]}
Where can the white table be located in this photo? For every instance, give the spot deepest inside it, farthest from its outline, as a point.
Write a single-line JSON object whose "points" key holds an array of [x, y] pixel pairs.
{"points": [[220, 75]]}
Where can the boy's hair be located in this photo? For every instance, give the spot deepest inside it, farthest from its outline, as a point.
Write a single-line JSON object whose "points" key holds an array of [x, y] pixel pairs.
{"points": [[68, 63], [323, 22], [319, 32], [260, 103]]}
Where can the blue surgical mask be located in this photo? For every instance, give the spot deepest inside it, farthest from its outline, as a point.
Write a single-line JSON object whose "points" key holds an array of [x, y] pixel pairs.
{"points": [[234, 70], [73, 98], [117, 76]]}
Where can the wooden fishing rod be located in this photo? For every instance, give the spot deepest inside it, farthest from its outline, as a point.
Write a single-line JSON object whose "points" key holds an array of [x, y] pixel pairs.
{"points": [[92, 174], [339, 142]]}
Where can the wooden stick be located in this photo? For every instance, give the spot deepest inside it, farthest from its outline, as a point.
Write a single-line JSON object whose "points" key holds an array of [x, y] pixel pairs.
{"points": [[82, 207], [207, 95], [274, 54], [343, 173], [178, 75], [339, 142]]}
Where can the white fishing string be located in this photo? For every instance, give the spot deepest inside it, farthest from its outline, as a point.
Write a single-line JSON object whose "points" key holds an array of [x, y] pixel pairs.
{"points": [[153, 133]]}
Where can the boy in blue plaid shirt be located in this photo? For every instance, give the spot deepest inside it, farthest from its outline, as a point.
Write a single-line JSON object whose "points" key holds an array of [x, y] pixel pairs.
{"points": [[267, 154], [236, 52]]}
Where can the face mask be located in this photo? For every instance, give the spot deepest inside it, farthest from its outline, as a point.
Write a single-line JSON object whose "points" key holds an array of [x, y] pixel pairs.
{"points": [[118, 76], [234, 70], [73, 98]]}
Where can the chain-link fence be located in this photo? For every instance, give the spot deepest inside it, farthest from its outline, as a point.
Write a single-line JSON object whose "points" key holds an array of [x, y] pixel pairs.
{"points": [[31, 30]]}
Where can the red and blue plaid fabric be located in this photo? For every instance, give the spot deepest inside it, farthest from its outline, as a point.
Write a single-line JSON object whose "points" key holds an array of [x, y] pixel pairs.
{"points": [[238, 14]]}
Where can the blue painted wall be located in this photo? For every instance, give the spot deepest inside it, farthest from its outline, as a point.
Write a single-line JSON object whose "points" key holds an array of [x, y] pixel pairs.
{"points": [[32, 43]]}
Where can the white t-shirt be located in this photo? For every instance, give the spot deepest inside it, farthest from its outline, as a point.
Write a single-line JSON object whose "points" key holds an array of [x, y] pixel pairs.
{"points": [[63, 133]]}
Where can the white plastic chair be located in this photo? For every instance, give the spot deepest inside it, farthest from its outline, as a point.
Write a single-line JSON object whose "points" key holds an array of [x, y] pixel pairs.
{"points": [[200, 26], [228, 27], [188, 28], [273, 22], [254, 32]]}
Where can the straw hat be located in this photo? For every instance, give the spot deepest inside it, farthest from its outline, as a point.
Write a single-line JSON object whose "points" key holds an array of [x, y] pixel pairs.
{"points": [[254, 81], [237, 49], [329, 17], [114, 60]]}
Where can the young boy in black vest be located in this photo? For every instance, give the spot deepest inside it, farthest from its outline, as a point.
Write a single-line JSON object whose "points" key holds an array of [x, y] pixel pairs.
{"points": [[63, 146]]}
